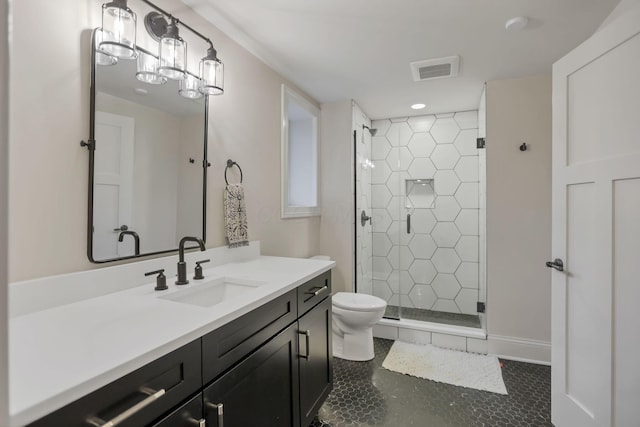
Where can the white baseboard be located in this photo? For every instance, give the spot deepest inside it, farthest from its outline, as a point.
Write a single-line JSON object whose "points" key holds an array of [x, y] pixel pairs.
{"points": [[520, 349]]}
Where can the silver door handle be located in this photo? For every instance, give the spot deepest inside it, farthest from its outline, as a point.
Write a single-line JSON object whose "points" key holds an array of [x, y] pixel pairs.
{"points": [[123, 227], [556, 264], [219, 407], [153, 396]]}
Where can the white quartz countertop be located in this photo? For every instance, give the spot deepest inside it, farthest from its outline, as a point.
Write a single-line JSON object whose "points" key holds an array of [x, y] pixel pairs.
{"points": [[62, 353]]}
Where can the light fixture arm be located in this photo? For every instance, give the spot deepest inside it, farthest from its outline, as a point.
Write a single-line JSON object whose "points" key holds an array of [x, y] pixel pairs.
{"points": [[177, 21]]}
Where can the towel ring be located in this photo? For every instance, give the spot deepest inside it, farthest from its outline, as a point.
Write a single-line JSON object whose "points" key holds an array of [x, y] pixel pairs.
{"points": [[230, 164]]}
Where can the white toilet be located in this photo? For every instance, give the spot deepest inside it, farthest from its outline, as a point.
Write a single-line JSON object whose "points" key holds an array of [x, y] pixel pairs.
{"points": [[353, 318]]}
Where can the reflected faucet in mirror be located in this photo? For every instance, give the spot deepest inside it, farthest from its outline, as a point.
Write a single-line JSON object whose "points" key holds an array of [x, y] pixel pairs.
{"points": [[182, 266], [135, 237]]}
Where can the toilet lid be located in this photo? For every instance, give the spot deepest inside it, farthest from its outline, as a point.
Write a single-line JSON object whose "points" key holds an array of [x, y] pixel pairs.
{"points": [[358, 302]]}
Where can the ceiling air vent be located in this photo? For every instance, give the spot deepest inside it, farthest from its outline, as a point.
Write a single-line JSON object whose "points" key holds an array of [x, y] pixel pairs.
{"points": [[438, 68]]}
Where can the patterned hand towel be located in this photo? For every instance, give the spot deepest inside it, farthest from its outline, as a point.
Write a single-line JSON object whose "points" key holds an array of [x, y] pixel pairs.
{"points": [[235, 216]]}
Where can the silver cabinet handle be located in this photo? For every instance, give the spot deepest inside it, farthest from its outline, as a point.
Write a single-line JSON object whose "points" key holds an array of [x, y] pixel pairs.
{"points": [[219, 407], [307, 335], [197, 423], [153, 396], [318, 291]]}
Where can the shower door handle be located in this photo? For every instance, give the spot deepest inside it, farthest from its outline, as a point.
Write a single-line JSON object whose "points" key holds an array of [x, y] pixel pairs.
{"points": [[364, 218], [556, 264], [408, 223]]}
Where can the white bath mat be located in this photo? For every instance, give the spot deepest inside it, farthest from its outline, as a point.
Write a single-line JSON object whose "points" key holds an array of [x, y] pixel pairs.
{"points": [[446, 366]]}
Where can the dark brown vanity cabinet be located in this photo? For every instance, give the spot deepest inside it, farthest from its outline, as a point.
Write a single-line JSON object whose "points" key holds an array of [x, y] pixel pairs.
{"points": [[139, 398], [261, 391], [316, 360], [271, 367]]}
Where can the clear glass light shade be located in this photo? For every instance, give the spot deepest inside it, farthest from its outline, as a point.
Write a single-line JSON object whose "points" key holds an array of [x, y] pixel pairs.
{"points": [[102, 58], [189, 87], [173, 58], [212, 75], [119, 30], [147, 70]]}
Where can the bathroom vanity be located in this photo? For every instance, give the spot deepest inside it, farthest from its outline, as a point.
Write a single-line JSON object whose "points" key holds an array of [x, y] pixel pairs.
{"points": [[259, 358]]}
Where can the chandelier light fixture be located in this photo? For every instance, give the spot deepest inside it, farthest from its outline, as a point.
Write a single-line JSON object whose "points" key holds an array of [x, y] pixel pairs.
{"points": [[211, 73], [172, 53], [116, 39], [118, 30]]}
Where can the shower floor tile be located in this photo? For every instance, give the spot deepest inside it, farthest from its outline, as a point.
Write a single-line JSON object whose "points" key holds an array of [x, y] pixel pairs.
{"points": [[364, 394], [457, 319]]}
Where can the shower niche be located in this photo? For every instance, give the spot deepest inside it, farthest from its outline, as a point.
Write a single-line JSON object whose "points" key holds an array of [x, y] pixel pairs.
{"points": [[419, 193]]}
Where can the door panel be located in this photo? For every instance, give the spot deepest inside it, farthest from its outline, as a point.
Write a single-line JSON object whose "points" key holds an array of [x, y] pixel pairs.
{"points": [[603, 105], [582, 296], [596, 206], [626, 270]]}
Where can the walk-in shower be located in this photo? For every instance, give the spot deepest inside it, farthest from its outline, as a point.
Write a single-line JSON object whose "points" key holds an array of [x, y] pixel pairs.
{"points": [[421, 180]]}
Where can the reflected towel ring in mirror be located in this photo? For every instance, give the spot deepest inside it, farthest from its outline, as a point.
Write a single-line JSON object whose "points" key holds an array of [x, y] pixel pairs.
{"points": [[230, 164]]}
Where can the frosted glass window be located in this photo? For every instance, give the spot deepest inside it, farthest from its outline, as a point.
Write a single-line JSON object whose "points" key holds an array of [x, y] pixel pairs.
{"points": [[299, 156]]}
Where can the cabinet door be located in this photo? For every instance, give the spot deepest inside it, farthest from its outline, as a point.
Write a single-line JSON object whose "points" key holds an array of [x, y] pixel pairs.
{"points": [[316, 359], [261, 391], [187, 415]]}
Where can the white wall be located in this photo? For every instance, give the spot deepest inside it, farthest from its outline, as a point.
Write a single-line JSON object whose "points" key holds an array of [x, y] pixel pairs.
{"points": [[623, 7], [336, 191], [4, 198], [189, 220], [49, 116], [519, 217]]}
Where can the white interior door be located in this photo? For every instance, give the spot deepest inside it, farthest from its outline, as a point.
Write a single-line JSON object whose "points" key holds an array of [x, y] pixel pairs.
{"points": [[596, 230], [113, 185]]}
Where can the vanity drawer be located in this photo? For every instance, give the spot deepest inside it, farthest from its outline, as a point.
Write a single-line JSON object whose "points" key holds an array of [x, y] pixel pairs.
{"points": [[139, 393], [228, 344], [313, 291]]}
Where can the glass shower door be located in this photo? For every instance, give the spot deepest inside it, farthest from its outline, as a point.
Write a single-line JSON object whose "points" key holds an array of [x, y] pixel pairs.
{"points": [[441, 202]]}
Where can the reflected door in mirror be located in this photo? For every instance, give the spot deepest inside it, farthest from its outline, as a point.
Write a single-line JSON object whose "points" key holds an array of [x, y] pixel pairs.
{"points": [[113, 185]]}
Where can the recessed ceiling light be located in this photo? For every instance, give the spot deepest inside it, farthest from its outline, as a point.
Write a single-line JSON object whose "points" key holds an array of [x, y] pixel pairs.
{"points": [[141, 91], [418, 106], [516, 24]]}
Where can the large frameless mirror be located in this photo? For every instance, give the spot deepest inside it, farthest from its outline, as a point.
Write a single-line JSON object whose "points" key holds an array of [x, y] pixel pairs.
{"points": [[147, 158]]}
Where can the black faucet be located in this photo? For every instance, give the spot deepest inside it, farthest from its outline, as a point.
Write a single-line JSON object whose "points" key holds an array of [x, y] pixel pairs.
{"points": [[182, 266], [135, 237]]}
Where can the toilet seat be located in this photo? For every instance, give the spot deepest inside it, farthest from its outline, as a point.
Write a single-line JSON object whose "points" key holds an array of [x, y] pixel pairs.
{"points": [[358, 302]]}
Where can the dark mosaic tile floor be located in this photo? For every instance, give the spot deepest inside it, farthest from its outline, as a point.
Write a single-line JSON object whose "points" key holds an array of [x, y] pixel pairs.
{"points": [[458, 319], [364, 394]]}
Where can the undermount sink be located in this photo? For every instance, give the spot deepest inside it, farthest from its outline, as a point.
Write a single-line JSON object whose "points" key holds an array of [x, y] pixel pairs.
{"points": [[213, 291]]}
